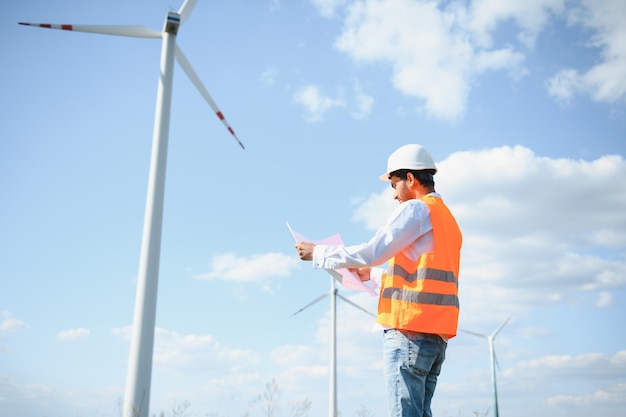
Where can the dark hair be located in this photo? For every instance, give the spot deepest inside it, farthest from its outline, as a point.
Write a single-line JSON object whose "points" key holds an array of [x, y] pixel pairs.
{"points": [[424, 176]]}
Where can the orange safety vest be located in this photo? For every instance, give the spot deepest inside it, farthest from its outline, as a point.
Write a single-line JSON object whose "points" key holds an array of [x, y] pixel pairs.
{"points": [[422, 296]]}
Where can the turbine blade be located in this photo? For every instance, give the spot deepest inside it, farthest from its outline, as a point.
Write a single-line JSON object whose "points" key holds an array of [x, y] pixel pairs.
{"points": [[356, 305], [186, 9], [191, 73], [474, 334], [501, 326], [118, 30], [321, 297]]}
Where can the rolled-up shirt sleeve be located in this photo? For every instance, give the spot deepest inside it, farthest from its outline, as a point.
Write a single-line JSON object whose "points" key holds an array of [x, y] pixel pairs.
{"points": [[408, 223]]}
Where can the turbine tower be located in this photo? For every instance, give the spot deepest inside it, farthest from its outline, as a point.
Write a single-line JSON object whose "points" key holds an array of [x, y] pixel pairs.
{"points": [[138, 378], [493, 360], [333, 293]]}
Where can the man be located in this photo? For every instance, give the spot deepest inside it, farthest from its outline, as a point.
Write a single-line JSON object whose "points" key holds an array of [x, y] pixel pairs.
{"points": [[418, 304]]}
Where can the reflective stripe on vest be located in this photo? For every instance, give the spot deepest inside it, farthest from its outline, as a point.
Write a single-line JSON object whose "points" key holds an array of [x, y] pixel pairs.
{"points": [[422, 295], [425, 273]]}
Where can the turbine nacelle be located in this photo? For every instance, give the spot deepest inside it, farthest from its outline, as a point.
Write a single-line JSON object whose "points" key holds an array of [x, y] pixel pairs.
{"points": [[172, 22]]}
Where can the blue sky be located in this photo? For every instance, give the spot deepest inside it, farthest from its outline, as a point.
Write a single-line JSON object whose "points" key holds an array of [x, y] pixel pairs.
{"points": [[522, 104]]}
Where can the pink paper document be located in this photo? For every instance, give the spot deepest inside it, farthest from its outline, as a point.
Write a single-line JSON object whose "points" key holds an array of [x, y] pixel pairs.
{"points": [[345, 277]]}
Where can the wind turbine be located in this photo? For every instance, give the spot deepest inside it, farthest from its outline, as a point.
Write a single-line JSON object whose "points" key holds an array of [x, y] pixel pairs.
{"points": [[333, 293], [138, 378], [493, 360]]}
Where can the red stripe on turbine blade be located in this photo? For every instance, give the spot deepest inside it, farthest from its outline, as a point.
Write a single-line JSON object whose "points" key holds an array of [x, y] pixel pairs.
{"points": [[220, 115], [230, 129], [45, 25], [67, 27]]}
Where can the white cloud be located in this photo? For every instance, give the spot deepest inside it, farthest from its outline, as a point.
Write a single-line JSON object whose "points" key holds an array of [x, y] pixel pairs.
{"points": [[373, 211], [199, 368], [268, 77], [563, 86], [531, 17], [534, 332], [261, 269], [428, 59], [73, 334], [178, 352], [589, 365], [578, 198], [11, 324], [327, 8], [31, 399], [123, 333], [501, 59], [605, 81], [274, 5], [315, 103], [616, 394], [291, 354], [605, 299], [570, 384], [364, 103], [437, 50]]}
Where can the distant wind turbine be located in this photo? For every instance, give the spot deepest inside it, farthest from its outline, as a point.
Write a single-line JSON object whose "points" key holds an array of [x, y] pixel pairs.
{"points": [[333, 293], [137, 396], [493, 360]]}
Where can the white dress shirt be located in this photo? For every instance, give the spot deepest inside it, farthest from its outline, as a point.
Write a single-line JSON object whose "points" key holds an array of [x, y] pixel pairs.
{"points": [[408, 230]]}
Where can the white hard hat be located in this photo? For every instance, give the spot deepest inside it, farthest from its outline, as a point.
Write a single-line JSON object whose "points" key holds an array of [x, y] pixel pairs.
{"points": [[411, 156]]}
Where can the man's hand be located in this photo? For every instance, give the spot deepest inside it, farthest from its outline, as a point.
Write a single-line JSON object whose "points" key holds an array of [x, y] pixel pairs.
{"points": [[363, 273], [305, 250]]}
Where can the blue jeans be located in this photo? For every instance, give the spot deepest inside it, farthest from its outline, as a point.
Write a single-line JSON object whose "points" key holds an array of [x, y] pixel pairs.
{"points": [[412, 364]]}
